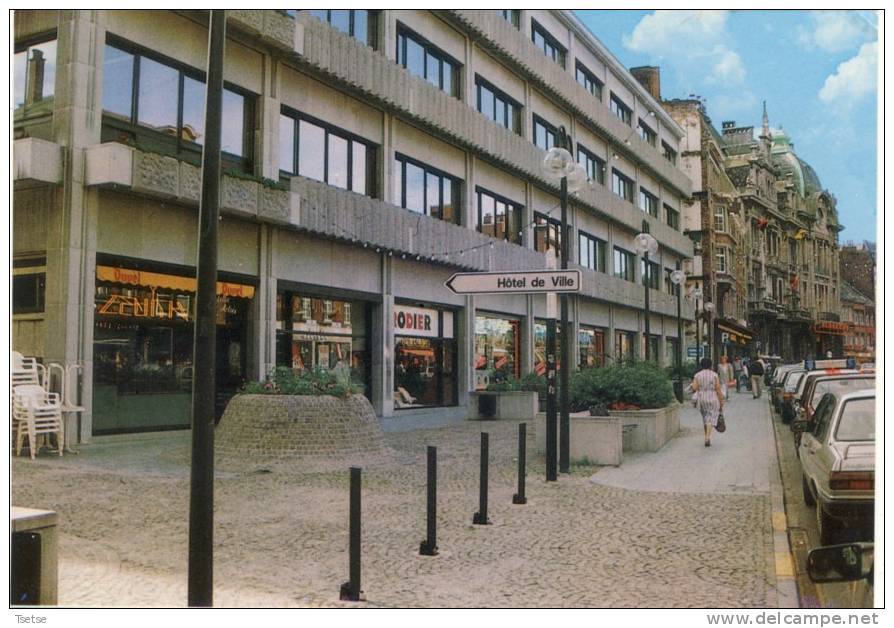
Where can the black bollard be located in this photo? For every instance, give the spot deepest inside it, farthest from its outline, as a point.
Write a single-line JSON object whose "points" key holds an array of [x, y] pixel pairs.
{"points": [[429, 547], [519, 498], [350, 590], [480, 517]]}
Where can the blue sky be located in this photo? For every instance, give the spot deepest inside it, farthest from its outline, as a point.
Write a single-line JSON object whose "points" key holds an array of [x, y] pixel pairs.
{"points": [[817, 70]]}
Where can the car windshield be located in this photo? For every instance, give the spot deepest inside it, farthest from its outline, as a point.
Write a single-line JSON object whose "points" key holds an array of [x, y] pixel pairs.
{"points": [[792, 380], [840, 386], [857, 422]]}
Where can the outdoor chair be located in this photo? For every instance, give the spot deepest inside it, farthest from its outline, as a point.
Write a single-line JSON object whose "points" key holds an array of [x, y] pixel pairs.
{"points": [[26, 371], [36, 414]]}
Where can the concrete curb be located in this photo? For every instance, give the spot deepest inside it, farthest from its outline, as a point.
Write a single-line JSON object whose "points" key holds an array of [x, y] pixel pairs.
{"points": [[784, 562]]}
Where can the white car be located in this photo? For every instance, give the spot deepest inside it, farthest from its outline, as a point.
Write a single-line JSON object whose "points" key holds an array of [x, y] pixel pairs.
{"points": [[838, 462]]}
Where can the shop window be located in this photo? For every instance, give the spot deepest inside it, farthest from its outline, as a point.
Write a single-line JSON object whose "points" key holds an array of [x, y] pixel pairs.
{"points": [[622, 186], [588, 80], [424, 357], [426, 190], [497, 349], [425, 60], [620, 109], [498, 217], [547, 234], [544, 133], [591, 347], [593, 165], [623, 267], [160, 105], [591, 252], [28, 291], [540, 346], [648, 202], [316, 150], [497, 106], [361, 24], [34, 78], [672, 351], [625, 344], [654, 341], [547, 43]]}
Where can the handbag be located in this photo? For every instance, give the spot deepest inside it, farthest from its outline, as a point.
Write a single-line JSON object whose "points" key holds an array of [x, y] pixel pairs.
{"points": [[721, 424]]}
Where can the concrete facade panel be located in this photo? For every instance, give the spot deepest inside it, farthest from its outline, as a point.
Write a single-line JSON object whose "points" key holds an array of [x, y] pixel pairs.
{"points": [[325, 263]]}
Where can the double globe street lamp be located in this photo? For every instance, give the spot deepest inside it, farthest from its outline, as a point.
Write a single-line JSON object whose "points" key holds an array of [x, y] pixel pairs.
{"points": [[646, 245], [559, 164]]}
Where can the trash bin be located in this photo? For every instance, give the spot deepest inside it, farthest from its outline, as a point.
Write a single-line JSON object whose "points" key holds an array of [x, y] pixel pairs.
{"points": [[487, 405], [33, 564]]}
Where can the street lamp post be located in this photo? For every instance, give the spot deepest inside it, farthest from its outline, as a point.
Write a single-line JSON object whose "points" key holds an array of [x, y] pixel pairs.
{"points": [[709, 307], [559, 164], [697, 295], [646, 245], [677, 278]]}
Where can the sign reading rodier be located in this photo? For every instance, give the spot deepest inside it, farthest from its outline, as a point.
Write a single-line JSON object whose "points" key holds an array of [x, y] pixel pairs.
{"points": [[525, 282]]}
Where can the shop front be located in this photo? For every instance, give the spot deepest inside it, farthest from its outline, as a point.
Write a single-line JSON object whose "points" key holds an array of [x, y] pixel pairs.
{"points": [[540, 346], [497, 348], [321, 332], [425, 373], [143, 345], [591, 346], [625, 345]]}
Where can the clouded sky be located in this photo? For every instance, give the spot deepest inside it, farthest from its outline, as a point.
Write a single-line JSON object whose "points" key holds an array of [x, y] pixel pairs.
{"points": [[817, 70]]}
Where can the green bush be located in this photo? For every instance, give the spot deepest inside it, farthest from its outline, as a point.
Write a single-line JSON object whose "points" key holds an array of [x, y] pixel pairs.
{"points": [[283, 381], [687, 370], [509, 383], [642, 384]]}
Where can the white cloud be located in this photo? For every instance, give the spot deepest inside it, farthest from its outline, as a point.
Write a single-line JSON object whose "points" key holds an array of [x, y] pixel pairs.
{"points": [[691, 41], [853, 79], [836, 31]]}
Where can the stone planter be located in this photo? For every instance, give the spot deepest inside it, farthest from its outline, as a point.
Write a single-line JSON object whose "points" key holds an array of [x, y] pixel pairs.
{"points": [[486, 405], [593, 440], [649, 430]]}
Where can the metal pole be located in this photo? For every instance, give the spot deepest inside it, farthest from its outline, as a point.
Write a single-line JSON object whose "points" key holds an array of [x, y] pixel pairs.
{"points": [[551, 398], [350, 590], [679, 340], [201, 490], [698, 332], [480, 517], [646, 277], [565, 359], [429, 547], [519, 498]]}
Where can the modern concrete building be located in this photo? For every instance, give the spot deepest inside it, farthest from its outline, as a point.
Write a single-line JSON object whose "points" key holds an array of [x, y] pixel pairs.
{"points": [[368, 155]]}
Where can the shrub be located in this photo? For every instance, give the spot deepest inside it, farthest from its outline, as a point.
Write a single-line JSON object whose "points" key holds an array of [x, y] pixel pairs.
{"points": [[529, 382], [284, 381], [640, 384], [687, 370]]}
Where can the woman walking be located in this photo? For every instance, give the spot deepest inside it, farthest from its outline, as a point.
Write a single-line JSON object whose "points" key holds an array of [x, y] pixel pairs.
{"points": [[725, 373], [710, 397]]}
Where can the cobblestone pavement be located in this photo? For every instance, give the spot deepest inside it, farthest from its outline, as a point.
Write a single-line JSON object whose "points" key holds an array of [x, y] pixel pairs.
{"points": [[281, 530]]}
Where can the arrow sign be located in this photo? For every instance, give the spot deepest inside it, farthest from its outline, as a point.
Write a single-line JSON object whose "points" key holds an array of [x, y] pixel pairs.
{"points": [[515, 282]]}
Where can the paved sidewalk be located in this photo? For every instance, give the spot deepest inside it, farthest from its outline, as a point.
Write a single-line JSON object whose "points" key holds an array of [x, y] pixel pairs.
{"points": [[736, 462]]}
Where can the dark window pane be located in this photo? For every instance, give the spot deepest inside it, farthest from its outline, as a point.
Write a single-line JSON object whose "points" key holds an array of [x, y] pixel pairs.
{"points": [[338, 162], [117, 82], [194, 110], [158, 96], [310, 150], [415, 61], [433, 70], [233, 131], [28, 293], [287, 144], [433, 194], [500, 217], [358, 167], [340, 19], [415, 187]]}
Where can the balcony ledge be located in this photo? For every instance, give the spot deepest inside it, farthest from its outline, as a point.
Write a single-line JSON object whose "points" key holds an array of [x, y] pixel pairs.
{"points": [[36, 162]]}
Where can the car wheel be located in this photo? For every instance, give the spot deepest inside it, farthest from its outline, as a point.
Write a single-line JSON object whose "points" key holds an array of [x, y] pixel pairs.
{"points": [[809, 499], [826, 525]]}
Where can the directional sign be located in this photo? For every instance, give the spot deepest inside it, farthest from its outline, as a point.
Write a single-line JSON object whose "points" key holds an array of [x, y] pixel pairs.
{"points": [[519, 282], [695, 352]]}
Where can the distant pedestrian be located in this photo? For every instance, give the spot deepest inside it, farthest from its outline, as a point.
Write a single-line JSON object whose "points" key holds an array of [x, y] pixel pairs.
{"points": [[726, 374], [829, 354], [710, 397], [756, 372], [737, 371]]}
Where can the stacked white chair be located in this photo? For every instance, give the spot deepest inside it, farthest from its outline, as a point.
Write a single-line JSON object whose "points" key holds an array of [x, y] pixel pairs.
{"points": [[36, 412]]}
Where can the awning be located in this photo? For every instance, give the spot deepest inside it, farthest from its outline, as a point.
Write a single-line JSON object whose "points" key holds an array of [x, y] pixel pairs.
{"points": [[831, 328], [173, 282]]}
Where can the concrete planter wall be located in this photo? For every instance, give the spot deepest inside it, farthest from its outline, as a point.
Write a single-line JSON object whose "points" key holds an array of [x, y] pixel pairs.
{"points": [[651, 428], [593, 440], [521, 404]]}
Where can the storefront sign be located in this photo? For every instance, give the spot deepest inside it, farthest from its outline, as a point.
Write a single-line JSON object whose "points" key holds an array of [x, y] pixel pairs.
{"points": [[415, 321], [173, 282], [152, 306]]}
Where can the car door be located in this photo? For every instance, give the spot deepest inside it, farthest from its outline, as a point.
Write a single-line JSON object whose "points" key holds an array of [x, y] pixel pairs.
{"points": [[814, 459]]}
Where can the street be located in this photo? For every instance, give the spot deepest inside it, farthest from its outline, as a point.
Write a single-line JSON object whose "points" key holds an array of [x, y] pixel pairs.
{"points": [[687, 526]]}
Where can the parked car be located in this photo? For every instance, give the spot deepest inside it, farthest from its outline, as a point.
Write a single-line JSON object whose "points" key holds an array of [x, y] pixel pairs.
{"points": [[778, 379], [817, 386], [791, 405], [851, 562], [787, 393], [838, 462]]}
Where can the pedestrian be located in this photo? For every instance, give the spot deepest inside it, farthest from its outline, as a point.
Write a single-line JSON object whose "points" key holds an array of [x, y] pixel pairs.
{"points": [[756, 372], [726, 374], [737, 371], [710, 398]]}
